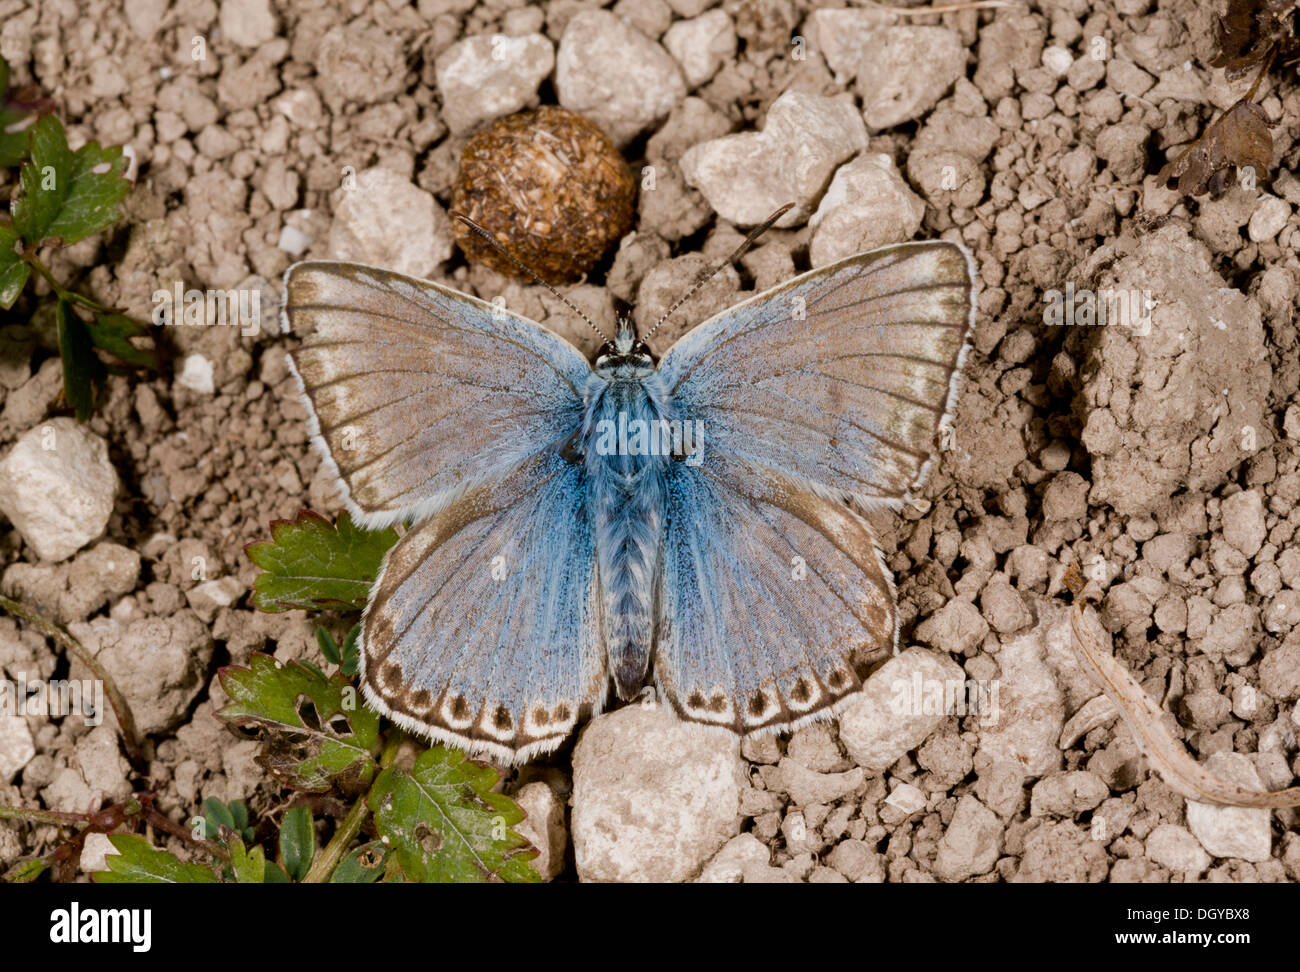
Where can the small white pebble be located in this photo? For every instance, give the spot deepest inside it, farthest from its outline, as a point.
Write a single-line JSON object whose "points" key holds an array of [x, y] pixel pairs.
{"points": [[1057, 60], [293, 241], [196, 374], [906, 798]]}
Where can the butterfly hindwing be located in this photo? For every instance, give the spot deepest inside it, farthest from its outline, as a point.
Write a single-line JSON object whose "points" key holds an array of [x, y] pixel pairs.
{"points": [[772, 596], [416, 391], [841, 377], [483, 627]]}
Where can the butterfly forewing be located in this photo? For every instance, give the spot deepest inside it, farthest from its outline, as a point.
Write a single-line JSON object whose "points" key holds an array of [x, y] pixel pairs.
{"points": [[841, 377], [416, 391]]}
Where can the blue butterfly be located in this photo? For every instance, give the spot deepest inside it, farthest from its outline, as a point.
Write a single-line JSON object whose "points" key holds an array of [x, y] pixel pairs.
{"points": [[692, 519]]}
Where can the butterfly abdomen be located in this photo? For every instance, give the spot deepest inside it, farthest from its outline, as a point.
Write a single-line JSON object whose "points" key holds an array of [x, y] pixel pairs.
{"points": [[625, 468]]}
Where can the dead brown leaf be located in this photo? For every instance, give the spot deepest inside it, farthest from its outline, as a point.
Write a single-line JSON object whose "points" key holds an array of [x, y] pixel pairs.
{"points": [[1247, 33], [1238, 139]]}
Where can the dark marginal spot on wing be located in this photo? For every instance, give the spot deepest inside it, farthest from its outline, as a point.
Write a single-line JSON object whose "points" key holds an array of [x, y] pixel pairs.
{"points": [[459, 708], [758, 705], [501, 718], [421, 699], [800, 691], [696, 701], [718, 703]]}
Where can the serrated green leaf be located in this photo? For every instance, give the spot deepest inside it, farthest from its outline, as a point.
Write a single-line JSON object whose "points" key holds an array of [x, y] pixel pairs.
{"points": [[139, 862], [249, 865], [82, 371], [297, 842], [320, 728], [113, 333], [14, 271], [445, 825], [314, 564], [44, 180], [363, 865], [65, 196]]}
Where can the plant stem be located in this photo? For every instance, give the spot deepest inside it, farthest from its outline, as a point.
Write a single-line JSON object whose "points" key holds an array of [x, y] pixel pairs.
{"points": [[35, 263], [161, 822], [56, 817], [1268, 63], [125, 720], [328, 859]]}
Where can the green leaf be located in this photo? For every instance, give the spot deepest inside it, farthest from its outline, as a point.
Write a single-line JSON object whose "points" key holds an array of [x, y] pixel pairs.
{"points": [[82, 371], [328, 647], [275, 874], [14, 271], [27, 871], [249, 865], [239, 812], [363, 865], [44, 180], [297, 842], [233, 816], [319, 728], [351, 653], [445, 825], [347, 657], [139, 862], [215, 816], [65, 196], [313, 564], [113, 333]]}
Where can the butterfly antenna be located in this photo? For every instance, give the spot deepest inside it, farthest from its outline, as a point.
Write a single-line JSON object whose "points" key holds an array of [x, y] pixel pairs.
{"points": [[528, 270], [753, 236]]}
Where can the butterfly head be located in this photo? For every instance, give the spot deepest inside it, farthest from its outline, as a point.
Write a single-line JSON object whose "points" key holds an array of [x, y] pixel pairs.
{"points": [[627, 356]]}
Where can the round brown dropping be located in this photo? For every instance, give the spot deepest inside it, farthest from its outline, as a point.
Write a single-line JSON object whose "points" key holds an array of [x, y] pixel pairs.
{"points": [[551, 188]]}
